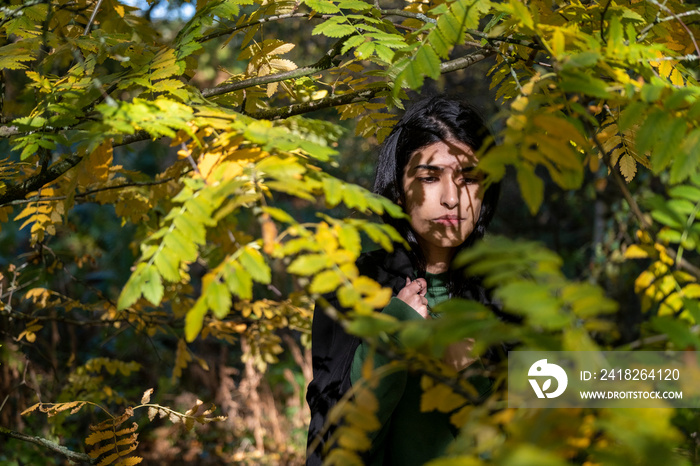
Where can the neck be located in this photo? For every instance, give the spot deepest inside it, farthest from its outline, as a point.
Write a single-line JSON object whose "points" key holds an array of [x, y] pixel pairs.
{"points": [[437, 259]]}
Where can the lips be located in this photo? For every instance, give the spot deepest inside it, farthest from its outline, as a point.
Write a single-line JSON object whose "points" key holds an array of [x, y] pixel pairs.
{"points": [[448, 220]]}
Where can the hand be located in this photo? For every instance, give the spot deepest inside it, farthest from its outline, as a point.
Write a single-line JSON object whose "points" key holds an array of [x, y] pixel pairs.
{"points": [[458, 355], [413, 294]]}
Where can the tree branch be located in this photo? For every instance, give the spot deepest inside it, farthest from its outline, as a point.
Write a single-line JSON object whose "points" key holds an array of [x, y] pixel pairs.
{"points": [[471, 32], [334, 101], [19, 191], [14, 192], [466, 61], [54, 447], [129, 184], [364, 94], [326, 62], [33, 183], [269, 19]]}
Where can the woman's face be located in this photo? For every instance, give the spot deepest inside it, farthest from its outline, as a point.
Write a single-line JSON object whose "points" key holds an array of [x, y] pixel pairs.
{"points": [[441, 188]]}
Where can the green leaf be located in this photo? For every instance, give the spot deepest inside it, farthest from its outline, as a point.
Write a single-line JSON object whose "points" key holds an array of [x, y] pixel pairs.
{"points": [[584, 59], [190, 227], [690, 193], [239, 281], [349, 238], [183, 247], [584, 84], [365, 50], [218, 299], [378, 235], [279, 214], [333, 189], [356, 5], [677, 331], [352, 41], [355, 197], [325, 282], [255, 265], [168, 265], [666, 145], [152, 285], [309, 264], [132, 290], [372, 325], [648, 133], [535, 302], [194, 320], [323, 6], [335, 27], [687, 160], [531, 188]]}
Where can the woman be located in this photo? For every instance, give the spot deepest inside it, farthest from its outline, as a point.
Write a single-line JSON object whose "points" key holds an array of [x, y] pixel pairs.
{"points": [[427, 166]]}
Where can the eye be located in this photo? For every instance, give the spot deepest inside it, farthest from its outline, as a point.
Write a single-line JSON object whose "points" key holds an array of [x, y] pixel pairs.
{"points": [[428, 179], [471, 180]]}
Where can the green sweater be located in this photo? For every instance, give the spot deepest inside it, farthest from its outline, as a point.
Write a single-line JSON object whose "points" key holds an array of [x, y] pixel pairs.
{"points": [[407, 436]]}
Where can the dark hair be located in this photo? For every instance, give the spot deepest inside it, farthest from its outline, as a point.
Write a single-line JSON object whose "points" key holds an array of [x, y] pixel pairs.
{"points": [[431, 120]]}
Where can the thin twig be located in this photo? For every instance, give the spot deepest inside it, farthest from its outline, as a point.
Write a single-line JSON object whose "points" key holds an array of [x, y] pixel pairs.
{"points": [[92, 18], [678, 18], [471, 32], [643, 33], [23, 382], [48, 444], [651, 340], [98, 190], [602, 22]]}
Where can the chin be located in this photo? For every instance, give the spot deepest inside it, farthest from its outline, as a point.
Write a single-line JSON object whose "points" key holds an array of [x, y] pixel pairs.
{"points": [[448, 242]]}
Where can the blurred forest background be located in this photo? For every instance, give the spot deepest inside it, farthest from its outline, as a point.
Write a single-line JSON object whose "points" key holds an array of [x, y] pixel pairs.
{"points": [[65, 338]]}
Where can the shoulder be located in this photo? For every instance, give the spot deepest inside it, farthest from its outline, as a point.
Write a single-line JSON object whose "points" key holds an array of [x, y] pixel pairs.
{"points": [[388, 268]]}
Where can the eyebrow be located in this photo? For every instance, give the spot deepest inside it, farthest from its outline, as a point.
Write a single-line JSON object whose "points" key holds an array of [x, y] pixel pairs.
{"points": [[439, 169]]}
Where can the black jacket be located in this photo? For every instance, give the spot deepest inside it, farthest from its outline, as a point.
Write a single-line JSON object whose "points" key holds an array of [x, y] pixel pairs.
{"points": [[333, 350]]}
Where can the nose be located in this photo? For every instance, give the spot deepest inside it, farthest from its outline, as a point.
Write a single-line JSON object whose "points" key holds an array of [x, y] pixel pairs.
{"points": [[449, 197]]}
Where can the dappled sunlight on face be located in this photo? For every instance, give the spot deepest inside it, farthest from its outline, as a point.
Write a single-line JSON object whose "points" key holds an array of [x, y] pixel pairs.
{"points": [[442, 195]]}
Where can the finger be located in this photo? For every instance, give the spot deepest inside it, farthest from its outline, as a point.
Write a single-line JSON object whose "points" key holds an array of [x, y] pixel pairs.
{"points": [[417, 287], [423, 286]]}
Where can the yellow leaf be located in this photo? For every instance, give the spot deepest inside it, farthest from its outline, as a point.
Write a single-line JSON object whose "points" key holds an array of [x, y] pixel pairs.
{"points": [[129, 461], [128, 430], [30, 409], [635, 251], [459, 418], [676, 78], [99, 436], [283, 65], [101, 450], [353, 438], [628, 167], [108, 459], [441, 398]]}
